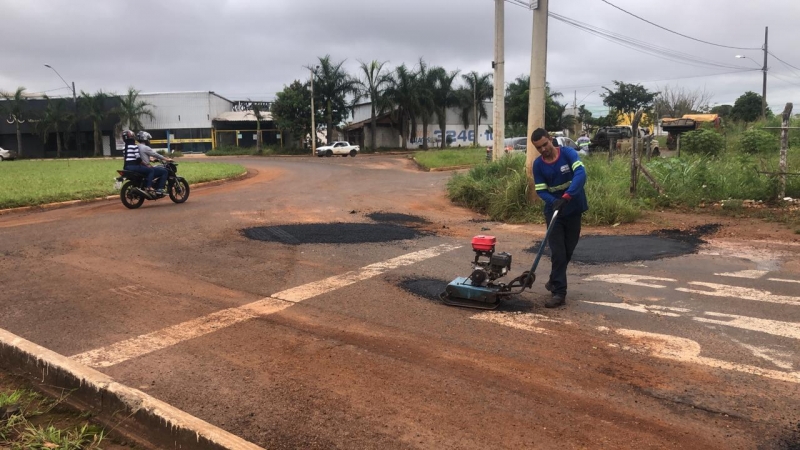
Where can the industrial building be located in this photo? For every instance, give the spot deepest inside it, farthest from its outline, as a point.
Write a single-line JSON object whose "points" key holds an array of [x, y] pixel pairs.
{"points": [[190, 122]]}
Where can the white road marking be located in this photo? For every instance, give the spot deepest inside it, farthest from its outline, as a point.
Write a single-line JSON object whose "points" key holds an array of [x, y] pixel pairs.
{"points": [[687, 350], [633, 280], [653, 309], [522, 321], [721, 290], [773, 327], [770, 355], [167, 337], [751, 274], [782, 280]]}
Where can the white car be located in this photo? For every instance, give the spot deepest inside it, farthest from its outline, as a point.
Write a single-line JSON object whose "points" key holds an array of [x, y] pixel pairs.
{"points": [[338, 148], [7, 155]]}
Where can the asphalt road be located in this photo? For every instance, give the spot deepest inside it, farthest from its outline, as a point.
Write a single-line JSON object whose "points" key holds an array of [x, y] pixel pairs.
{"points": [[321, 345]]}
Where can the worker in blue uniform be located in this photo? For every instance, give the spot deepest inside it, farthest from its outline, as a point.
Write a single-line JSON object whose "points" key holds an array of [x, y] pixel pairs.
{"points": [[559, 176]]}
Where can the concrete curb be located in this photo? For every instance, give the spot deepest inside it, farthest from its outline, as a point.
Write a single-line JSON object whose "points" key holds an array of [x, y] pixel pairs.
{"points": [[67, 203], [132, 413], [441, 169]]}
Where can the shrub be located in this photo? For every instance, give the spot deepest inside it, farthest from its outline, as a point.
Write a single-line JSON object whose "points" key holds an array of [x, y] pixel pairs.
{"points": [[758, 142], [707, 142]]}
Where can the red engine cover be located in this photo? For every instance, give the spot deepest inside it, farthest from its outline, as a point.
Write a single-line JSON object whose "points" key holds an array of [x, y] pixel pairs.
{"points": [[484, 243]]}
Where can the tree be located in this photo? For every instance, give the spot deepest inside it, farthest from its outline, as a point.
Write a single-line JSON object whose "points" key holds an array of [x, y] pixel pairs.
{"points": [[723, 111], [426, 85], [517, 105], [481, 88], [403, 98], [93, 107], [131, 110], [332, 85], [15, 106], [747, 107], [554, 117], [291, 110], [256, 112], [628, 98], [585, 117], [55, 119], [374, 85], [444, 97], [677, 101]]}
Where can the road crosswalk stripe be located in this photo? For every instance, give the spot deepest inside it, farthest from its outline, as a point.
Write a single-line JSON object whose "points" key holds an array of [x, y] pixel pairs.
{"points": [[141, 345]]}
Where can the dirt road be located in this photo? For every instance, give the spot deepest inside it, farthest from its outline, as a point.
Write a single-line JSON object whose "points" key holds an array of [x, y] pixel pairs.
{"points": [[343, 345]]}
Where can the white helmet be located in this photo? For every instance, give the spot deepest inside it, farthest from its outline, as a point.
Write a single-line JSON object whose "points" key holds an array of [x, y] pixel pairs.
{"points": [[143, 136]]}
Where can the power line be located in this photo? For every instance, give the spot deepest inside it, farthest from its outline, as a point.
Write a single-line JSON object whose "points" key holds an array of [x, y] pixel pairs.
{"points": [[783, 79], [663, 79], [784, 62], [642, 46], [675, 32]]}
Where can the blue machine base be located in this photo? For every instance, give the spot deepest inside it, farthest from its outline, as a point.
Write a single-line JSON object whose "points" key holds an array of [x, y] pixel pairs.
{"points": [[461, 292]]}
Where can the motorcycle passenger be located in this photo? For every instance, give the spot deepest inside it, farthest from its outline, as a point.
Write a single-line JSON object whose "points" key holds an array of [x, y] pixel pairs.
{"points": [[133, 159], [145, 153]]}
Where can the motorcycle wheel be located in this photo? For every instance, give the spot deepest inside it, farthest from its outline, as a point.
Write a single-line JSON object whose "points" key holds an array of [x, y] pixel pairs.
{"points": [[130, 198], [179, 191]]}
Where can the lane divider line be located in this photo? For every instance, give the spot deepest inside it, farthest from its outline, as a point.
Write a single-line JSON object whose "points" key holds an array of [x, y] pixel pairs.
{"points": [[122, 351]]}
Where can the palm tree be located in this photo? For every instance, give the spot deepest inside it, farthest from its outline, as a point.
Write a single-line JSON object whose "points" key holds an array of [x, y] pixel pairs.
{"points": [[93, 107], [426, 84], [481, 88], [332, 85], [402, 95], [131, 110], [444, 97], [374, 85], [259, 115], [55, 119], [16, 105]]}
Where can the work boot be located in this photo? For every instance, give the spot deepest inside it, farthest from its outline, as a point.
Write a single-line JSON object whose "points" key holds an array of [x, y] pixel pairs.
{"points": [[555, 301], [549, 286]]}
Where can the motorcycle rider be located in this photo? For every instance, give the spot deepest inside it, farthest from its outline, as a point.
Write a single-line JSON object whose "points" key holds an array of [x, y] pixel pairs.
{"points": [[145, 153], [133, 159]]}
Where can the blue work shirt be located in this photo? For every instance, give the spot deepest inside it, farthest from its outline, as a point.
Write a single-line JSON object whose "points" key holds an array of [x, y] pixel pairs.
{"points": [[564, 177]]}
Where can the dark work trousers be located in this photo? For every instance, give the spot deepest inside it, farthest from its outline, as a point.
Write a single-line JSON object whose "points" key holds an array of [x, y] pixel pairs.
{"points": [[563, 240], [147, 171]]}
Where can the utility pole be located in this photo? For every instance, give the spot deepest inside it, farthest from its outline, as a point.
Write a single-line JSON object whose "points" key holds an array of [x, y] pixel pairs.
{"points": [[313, 119], [499, 106], [764, 88], [537, 87], [575, 123]]}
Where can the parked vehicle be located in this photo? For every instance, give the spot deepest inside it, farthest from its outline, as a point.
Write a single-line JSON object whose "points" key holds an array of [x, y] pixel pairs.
{"points": [[132, 193], [520, 144], [515, 144], [338, 148], [622, 134], [7, 155]]}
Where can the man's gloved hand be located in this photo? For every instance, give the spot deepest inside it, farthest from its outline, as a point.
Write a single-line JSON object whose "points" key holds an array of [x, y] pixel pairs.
{"points": [[558, 204]]}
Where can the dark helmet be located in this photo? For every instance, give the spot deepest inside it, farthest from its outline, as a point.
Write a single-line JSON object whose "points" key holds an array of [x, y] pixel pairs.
{"points": [[128, 135]]}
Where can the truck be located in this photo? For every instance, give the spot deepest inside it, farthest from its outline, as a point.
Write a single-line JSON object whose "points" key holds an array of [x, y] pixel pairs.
{"points": [[622, 134]]}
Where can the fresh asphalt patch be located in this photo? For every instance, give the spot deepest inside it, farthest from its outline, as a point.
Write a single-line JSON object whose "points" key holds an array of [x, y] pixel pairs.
{"points": [[332, 233], [399, 218], [427, 288], [660, 244]]}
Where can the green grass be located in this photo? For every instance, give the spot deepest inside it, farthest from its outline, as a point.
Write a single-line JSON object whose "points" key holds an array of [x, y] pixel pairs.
{"points": [[433, 159], [24, 183]]}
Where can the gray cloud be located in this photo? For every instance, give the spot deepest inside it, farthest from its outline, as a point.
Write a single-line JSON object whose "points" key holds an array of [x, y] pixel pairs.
{"points": [[251, 48]]}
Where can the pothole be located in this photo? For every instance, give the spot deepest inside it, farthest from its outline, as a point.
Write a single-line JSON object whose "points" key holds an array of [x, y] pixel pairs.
{"points": [[427, 288], [621, 249], [388, 217], [332, 233]]}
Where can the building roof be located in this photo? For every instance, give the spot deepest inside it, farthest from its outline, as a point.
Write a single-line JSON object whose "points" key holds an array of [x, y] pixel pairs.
{"points": [[242, 116]]}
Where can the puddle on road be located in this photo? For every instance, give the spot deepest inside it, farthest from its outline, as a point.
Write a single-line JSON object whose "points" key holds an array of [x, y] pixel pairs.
{"points": [[332, 233]]}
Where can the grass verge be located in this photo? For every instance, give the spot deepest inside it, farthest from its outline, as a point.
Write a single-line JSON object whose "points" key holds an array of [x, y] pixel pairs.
{"points": [[434, 159], [25, 183]]}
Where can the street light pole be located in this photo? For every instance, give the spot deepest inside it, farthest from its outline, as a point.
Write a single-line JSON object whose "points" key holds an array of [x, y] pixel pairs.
{"points": [[74, 97], [313, 115], [537, 85], [764, 87], [74, 106], [499, 107]]}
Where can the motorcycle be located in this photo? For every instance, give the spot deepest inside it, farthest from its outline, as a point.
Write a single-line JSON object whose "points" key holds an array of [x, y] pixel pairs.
{"points": [[132, 192]]}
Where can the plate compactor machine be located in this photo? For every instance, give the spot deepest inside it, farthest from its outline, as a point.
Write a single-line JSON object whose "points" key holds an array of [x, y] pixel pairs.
{"points": [[480, 290]]}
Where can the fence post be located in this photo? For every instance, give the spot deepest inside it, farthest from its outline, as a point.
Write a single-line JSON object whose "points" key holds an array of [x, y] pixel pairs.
{"points": [[612, 144], [679, 145], [787, 115], [634, 149]]}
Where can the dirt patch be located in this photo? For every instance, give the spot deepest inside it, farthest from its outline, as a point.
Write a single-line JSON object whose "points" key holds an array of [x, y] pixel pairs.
{"points": [[332, 233], [427, 288], [790, 440], [388, 217]]}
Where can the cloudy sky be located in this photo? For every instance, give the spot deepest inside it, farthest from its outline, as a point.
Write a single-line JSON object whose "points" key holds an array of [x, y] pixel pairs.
{"points": [[252, 48]]}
